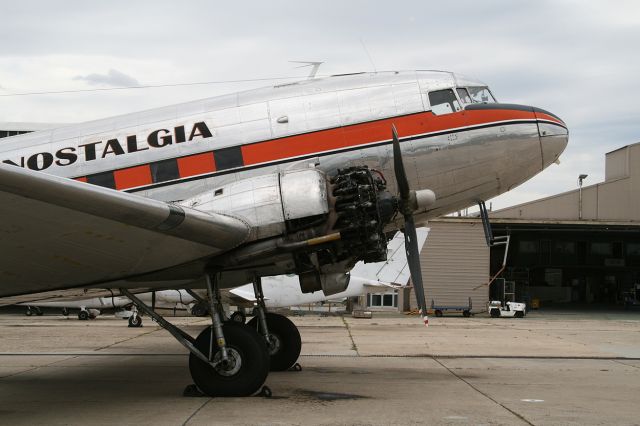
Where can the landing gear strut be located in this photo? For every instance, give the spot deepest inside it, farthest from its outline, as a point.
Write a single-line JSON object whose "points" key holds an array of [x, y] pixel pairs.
{"points": [[282, 336], [226, 359]]}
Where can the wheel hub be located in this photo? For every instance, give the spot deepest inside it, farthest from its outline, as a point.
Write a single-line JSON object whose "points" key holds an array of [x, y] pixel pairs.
{"points": [[231, 366], [274, 344]]}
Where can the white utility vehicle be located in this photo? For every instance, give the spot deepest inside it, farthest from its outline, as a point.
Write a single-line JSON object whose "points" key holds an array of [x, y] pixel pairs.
{"points": [[509, 310]]}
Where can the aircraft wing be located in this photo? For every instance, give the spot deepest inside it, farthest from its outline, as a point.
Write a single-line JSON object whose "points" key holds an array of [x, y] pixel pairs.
{"points": [[57, 233]]}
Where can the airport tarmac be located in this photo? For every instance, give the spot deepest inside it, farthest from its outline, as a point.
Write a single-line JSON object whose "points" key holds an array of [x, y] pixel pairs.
{"points": [[548, 368]]}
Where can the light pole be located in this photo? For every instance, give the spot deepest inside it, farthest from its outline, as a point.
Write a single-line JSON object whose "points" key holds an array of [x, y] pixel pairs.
{"points": [[580, 179]]}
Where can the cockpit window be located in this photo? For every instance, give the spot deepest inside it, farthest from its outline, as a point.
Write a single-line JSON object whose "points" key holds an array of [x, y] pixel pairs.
{"points": [[481, 95], [443, 102], [463, 94]]}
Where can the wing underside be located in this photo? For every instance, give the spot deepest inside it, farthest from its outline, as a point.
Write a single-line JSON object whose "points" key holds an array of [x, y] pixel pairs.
{"points": [[56, 233]]}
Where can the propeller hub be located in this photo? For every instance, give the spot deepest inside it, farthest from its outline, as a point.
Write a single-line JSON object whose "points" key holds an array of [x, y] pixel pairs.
{"points": [[422, 199]]}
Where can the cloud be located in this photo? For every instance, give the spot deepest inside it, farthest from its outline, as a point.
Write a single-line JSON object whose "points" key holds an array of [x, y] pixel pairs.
{"points": [[113, 78]]}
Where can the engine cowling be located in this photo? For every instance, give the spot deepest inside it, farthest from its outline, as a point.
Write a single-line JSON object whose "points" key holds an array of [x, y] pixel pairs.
{"points": [[306, 205]]}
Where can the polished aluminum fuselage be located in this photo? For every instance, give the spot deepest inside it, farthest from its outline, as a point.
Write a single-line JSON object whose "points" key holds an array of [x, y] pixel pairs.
{"points": [[328, 123]]}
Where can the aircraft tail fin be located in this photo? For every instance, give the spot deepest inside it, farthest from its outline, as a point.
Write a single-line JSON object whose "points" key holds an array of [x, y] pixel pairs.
{"points": [[395, 271]]}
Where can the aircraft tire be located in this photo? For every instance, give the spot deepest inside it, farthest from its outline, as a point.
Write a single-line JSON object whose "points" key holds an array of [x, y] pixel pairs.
{"points": [[83, 315], [288, 342], [249, 367], [135, 321], [239, 317], [28, 313], [39, 312], [199, 310], [65, 312]]}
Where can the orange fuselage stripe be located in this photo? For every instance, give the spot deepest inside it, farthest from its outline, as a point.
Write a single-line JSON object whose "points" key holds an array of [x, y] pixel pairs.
{"points": [[330, 140]]}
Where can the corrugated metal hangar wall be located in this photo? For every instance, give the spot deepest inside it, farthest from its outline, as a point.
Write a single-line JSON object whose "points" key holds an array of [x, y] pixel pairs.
{"points": [[455, 260]]}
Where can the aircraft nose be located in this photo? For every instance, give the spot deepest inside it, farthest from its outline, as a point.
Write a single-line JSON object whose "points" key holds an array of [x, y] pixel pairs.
{"points": [[554, 135]]}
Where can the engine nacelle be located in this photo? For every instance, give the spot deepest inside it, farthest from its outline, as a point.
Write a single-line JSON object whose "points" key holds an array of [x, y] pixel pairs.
{"points": [[330, 284], [272, 204]]}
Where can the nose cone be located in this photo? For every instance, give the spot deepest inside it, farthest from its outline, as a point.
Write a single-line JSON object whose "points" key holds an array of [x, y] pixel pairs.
{"points": [[554, 136], [552, 147]]}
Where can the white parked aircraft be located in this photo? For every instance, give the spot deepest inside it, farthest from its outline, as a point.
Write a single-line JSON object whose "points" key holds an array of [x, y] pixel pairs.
{"points": [[92, 307], [292, 178]]}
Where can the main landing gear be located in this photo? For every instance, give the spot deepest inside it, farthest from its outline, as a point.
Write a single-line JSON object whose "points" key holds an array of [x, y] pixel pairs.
{"points": [[282, 336], [231, 358]]}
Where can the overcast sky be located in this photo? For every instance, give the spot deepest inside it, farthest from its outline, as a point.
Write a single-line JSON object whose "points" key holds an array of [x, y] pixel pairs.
{"points": [[578, 59]]}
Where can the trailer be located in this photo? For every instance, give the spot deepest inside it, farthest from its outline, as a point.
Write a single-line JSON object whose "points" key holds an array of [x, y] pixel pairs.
{"points": [[439, 310]]}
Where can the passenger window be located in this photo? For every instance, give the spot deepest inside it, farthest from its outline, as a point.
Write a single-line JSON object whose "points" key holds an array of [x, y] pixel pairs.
{"points": [[443, 102], [464, 95]]}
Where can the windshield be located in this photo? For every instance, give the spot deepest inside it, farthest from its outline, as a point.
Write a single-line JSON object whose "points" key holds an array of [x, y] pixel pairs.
{"points": [[480, 95], [463, 94]]}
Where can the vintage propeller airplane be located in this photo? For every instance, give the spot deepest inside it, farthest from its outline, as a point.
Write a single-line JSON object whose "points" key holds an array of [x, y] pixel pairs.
{"points": [[292, 178]]}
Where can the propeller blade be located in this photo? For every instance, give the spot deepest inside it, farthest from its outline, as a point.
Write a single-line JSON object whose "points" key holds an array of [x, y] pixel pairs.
{"points": [[398, 165], [413, 258], [410, 237]]}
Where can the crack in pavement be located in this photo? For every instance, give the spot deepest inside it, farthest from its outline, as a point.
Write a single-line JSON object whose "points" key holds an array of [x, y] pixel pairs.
{"points": [[196, 412], [40, 366], [518, 415], [353, 342], [127, 339]]}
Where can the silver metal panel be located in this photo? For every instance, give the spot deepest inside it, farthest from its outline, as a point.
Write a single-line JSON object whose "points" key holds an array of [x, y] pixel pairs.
{"points": [[255, 130], [381, 101], [216, 103], [293, 109], [430, 81], [254, 112], [256, 200], [225, 117], [354, 105], [322, 110], [304, 193], [407, 98]]}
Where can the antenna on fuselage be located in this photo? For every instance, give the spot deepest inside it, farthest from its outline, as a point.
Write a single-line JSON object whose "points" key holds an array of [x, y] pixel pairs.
{"points": [[368, 55], [313, 64]]}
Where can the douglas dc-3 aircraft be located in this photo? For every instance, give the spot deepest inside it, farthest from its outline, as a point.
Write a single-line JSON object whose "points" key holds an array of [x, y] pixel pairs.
{"points": [[305, 178]]}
